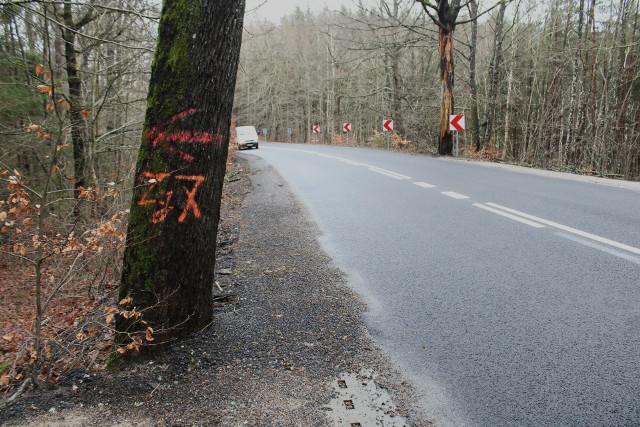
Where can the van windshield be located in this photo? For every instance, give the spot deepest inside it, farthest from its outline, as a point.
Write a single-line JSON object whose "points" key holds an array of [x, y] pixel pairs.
{"points": [[245, 130]]}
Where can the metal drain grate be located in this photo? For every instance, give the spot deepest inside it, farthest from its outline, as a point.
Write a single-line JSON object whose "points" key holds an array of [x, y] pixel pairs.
{"points": [[359, 402]]}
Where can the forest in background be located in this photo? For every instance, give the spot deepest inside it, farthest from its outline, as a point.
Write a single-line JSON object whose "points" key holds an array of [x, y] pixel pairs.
{"points": [[551, 84], [100, 59], [73, 86]]}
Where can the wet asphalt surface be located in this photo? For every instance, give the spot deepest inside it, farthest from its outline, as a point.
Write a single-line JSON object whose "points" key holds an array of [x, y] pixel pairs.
{"points": [[496, 321]]}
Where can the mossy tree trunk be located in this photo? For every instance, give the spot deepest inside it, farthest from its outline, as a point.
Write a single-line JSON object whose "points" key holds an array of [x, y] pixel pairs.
{"points": [[169, 259]]}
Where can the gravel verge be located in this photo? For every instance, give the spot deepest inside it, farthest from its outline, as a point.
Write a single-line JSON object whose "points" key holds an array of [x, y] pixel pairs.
{"points": [[287, 328]]}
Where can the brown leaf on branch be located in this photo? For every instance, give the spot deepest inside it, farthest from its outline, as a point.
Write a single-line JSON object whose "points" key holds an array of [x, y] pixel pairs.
{"points": [[45, 89], [126, 301], [64, 103]]}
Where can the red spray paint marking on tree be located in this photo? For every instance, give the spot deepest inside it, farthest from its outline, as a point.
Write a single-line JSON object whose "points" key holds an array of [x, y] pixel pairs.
{"points": [[161, 214], [191, 200], [158, 135]]}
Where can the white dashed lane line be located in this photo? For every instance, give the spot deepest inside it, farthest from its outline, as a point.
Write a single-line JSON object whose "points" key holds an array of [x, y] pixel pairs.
{"points": [[521, 217], [424, 185], [454, 195]]}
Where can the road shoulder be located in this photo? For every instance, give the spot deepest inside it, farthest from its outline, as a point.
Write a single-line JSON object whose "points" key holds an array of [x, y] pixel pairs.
{"points": [[288, 336]]}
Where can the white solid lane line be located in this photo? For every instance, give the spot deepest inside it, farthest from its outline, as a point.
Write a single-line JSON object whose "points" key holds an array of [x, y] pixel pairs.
{"points": [[424, 185], [570, 229], [349, 162], [388, 173], [454, 195], [507, 215], [392, 174], [326, 156], [603, 248]]}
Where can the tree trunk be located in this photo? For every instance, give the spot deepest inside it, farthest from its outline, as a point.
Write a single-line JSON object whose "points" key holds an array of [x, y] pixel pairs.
{"points": [[169, 259], [447, 79], [474, 120], [494, 71], [78, 128], [396, 85], [396, 93], [507, 147], [572, 117]]}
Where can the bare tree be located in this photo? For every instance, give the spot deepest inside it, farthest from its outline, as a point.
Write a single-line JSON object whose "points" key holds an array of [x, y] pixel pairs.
{"points": [[554, 81], [494, 72], [444, 14], [70, 25]]}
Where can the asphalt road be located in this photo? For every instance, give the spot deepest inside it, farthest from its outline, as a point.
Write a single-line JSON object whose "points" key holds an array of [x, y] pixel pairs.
{"points": [[509, 298]]}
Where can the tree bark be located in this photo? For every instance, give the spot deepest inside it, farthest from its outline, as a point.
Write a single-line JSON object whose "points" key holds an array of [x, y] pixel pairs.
{"points": [[572, 117], [169, 259], [494, 71], [447, 79], [447, 15], [78, 127], [474, 120]]}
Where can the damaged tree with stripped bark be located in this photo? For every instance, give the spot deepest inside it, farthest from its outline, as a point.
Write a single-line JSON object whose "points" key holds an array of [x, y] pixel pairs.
{"points": [[444, 13]]}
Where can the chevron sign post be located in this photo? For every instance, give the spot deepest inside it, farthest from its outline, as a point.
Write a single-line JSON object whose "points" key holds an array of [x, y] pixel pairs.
{"points": [[346, 127], [387, 126], [456, 122]]}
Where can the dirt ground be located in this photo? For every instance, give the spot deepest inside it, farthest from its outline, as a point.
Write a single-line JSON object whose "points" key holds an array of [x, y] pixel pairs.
{"points": [[287, 329]]}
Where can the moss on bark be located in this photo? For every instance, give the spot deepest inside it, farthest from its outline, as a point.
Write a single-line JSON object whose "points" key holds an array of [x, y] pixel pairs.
{"points": [[170, 254]]}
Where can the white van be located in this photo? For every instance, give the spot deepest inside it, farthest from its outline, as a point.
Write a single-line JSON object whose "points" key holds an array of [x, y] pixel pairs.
{"points": [[247, 137]]}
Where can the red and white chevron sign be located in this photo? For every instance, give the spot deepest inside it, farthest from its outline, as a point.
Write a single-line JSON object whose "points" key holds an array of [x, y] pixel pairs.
{"points": [[346, 127], [387, 125], [456, 122], [316, 129]]}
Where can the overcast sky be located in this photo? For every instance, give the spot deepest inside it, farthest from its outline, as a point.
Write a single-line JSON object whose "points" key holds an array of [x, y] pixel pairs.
{"points": [[273, 10]]}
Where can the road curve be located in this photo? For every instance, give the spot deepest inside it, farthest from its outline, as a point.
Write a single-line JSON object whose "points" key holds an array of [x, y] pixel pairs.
{"points": [[507, 297]]}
